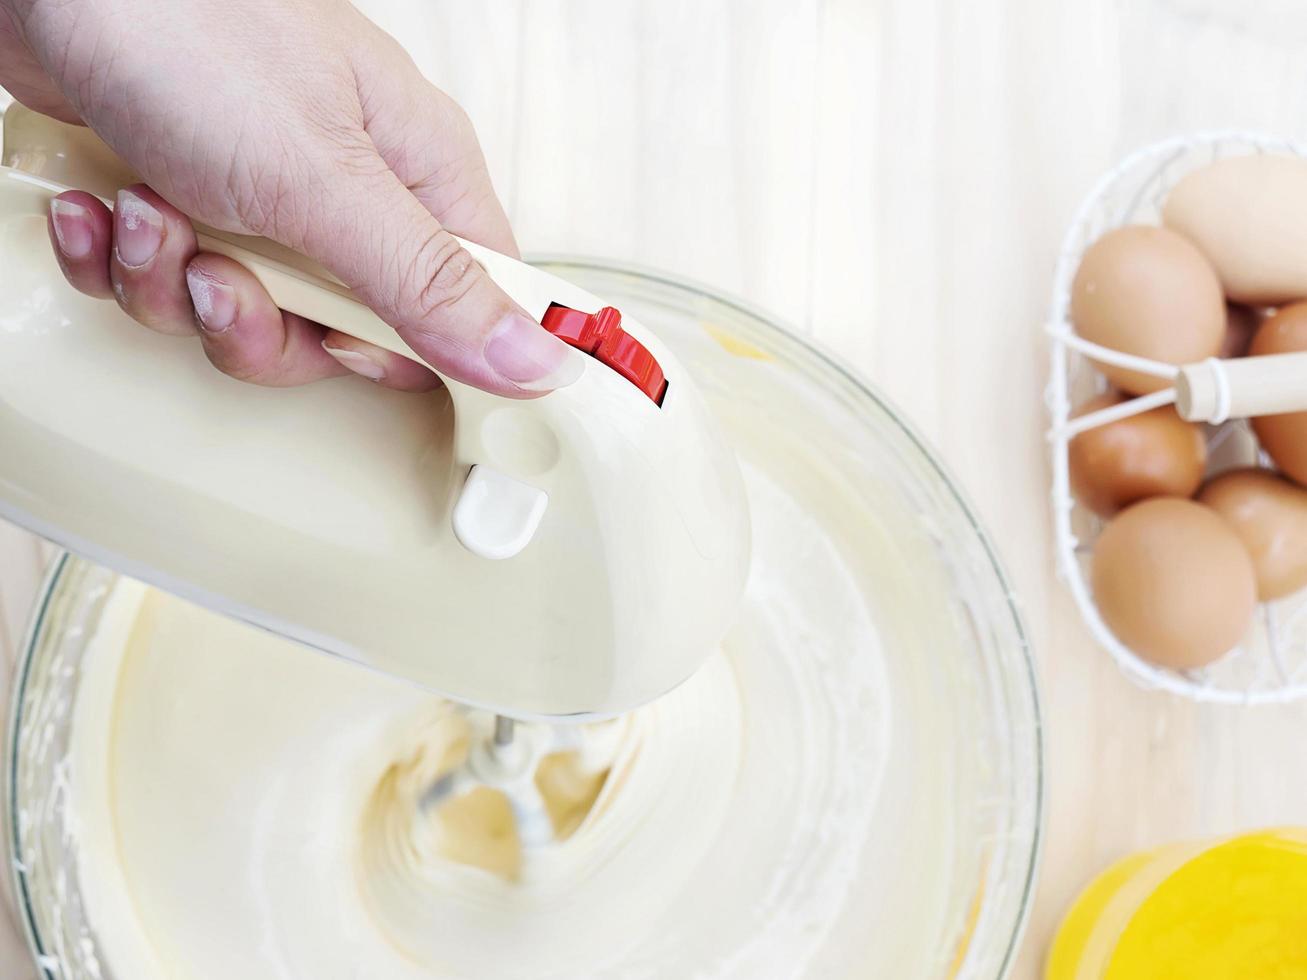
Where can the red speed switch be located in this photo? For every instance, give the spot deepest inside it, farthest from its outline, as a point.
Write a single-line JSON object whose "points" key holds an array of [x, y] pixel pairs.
{"points": [[601, 336]]}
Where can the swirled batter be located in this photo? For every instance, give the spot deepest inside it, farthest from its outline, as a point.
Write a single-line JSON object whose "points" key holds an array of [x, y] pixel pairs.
{"points": [[250, 809]]}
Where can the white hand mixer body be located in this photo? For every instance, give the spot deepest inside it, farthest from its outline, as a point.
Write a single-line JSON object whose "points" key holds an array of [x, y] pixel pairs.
{"points": [[574, 555]]}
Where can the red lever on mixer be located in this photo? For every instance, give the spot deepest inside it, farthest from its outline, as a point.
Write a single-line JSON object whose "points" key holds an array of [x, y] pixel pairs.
{"points": [[601, 336]]}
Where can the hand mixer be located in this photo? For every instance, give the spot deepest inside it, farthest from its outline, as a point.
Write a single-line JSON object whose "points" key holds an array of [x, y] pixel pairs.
{"points": [[571, 556]]}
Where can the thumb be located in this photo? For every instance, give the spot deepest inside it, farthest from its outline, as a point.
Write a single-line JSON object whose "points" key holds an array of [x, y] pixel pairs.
{"points": [[381, 241]]}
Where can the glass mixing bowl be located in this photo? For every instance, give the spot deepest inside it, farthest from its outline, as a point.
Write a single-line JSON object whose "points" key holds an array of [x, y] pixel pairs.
{"points": [[948, 878]]}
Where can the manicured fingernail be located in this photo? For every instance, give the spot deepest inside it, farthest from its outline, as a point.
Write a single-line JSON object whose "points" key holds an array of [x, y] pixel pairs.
{"points": [[213, 299], [137, 229], [72, 228], [360, 364], [527, 354]]}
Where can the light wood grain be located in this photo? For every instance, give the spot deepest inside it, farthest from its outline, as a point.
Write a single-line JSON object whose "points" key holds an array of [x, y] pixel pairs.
{"points": [[893, 178]]}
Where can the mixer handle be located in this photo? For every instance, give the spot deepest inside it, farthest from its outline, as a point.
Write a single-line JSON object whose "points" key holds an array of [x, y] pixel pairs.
{"points": [[496, 515], [299, 285], [500, 506], [325, 300]]}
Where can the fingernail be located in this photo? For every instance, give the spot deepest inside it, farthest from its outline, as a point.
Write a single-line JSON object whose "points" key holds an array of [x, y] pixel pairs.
{"points": [[138, 229], [527, 354], [72, 228], [360, 364], [213, 299]]}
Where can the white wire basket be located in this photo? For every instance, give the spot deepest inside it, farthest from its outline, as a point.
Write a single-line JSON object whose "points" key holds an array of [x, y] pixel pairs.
{"points": [[1271, 664]]}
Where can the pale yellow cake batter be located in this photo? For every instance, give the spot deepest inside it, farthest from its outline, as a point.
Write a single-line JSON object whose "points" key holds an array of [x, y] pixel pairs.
{"points": [[249, 808]]}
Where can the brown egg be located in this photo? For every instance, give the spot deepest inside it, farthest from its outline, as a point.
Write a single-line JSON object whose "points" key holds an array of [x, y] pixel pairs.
{"points": [[1150, 455], [1248, 214], [1284, 437], [1174, 582], [1269, 514], [1148, 291]]}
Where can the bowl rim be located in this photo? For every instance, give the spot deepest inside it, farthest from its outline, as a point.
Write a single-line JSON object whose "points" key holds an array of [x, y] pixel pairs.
{"points": [[13, 836], [1024, 677]]}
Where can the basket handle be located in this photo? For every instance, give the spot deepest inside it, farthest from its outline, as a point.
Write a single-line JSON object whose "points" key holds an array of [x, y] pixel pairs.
{"points": [[1215, 390]]}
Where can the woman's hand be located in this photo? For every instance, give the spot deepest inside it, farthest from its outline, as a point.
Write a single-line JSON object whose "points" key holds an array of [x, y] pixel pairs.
{"points": [[298, 120]]}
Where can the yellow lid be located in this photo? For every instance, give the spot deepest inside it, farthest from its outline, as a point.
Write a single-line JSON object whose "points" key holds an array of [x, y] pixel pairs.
{"points": [[1237, 910], [1234, 910]]}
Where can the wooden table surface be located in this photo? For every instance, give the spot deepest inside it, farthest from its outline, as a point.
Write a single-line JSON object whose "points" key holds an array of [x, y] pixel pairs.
{"points": [[893, 177]]}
